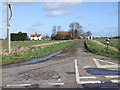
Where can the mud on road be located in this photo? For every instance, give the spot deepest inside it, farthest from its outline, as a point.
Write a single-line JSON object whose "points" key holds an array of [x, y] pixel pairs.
{"points": [[54, 70], [60, 71]]}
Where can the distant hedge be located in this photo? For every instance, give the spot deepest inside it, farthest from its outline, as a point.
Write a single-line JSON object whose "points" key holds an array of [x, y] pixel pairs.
{"points": [[19, 36]]}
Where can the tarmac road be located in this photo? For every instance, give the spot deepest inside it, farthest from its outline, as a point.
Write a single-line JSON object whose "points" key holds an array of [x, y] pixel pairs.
{"points": [[69, 69]]}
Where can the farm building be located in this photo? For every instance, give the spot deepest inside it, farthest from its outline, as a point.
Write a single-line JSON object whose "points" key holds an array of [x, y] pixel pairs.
{"points": [[35, 36], [65, 33], [62, 35]]}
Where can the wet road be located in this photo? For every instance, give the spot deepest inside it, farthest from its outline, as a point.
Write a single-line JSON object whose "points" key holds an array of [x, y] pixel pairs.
{"points": [[75, 67]]}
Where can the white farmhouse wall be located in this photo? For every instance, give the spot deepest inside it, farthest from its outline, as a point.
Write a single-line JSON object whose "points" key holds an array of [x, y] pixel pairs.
{"points": [[88, 37], [40, 37], [31, 38], [35, 38]]}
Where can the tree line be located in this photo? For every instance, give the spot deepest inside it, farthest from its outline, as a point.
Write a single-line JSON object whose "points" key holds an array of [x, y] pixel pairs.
{"points": [[76, 32]]}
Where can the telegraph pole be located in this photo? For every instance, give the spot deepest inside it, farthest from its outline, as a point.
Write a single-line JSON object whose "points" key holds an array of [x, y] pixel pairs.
{"points": [[8, 29]]}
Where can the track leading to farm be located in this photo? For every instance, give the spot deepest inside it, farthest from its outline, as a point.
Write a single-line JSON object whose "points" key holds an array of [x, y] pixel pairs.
{"points": [[75, 67], [105, 45]]}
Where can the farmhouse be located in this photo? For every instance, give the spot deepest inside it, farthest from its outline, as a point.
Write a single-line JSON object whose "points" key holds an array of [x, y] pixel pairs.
{"points": [[65, 35], [64, 32], [35, 36]]}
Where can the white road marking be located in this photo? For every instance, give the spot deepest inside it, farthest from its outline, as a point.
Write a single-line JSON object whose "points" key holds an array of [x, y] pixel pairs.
{"points": [[55, 83], [87, 66], [20, 85], [96, 62], [89, 82], [114, 65], [115, 76], [115, 81], [78, 81], [76, 72], [85, 77]]}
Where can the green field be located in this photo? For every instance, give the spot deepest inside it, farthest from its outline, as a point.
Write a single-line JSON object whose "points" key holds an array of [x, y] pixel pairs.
{"points": [[113, 42], [101, 50], [15, 44], [34, 52]]}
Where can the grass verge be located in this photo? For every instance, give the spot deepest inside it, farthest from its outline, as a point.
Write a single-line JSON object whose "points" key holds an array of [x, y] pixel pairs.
{"points": [[16, 44], [113, 42], [33, 52], [101, 50]]}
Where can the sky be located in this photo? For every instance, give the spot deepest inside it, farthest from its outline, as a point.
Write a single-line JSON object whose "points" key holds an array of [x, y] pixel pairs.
{"points": [[101, 18]]}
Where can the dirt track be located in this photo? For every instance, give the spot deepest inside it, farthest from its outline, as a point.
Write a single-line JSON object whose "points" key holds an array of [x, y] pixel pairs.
{"points": [[105, 45]]}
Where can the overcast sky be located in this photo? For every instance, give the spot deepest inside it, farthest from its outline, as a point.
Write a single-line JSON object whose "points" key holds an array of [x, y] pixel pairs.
{"points": [[101, 18]]}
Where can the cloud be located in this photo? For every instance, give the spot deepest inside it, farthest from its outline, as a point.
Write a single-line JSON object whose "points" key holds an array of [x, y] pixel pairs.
{"points": [[58, 13], [78, 17], [59, 5], [36, 24], [22, 3], [33, 28], [54, 7]]}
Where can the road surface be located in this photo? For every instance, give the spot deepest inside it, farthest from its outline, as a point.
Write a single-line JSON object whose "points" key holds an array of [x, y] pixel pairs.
{"points": [[75, 67]]}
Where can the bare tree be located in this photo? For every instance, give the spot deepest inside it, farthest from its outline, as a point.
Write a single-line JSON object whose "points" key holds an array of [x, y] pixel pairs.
{"points": [[54, 30], [75, 29], [59, 27], [72, 26], [88, 33]]}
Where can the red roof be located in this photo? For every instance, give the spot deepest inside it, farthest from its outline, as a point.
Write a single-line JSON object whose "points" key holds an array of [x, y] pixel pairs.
{"points": [[35, 35], [64, 32]]}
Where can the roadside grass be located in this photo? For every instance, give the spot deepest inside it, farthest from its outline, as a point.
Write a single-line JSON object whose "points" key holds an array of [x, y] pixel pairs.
{"points": [[101, 50], [34, 52], [16, 44], [113, 42]]}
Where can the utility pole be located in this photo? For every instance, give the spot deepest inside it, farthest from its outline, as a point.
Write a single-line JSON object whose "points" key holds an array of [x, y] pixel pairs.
{"points": [[8, 28]]}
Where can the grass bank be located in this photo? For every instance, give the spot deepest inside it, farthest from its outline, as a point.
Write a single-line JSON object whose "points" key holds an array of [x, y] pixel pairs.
{"points": [[101, 50], [34, 52], [113, 42], [16, 44]]}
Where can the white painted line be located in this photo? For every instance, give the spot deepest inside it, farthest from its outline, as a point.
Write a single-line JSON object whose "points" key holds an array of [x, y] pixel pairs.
{"points": [[115, 76], [114, 65], [76, 72], [115, 81], [87, 66], [108, 66], [87, 77], [108, 62], [89, 82], [55, 83], [96, 62], [20, 85]]}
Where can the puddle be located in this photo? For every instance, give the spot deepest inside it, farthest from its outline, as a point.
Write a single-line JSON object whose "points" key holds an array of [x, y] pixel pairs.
{"points": [[107, 58], [102, 71], [97, 85], [70, 73], [33, 60]]}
